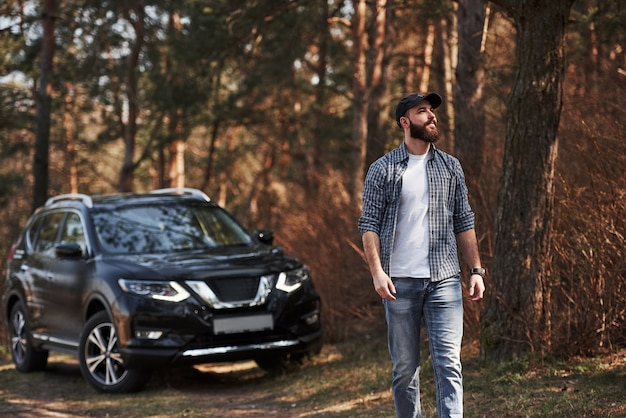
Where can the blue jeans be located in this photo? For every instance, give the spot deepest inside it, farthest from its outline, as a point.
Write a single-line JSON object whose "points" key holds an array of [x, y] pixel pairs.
{"points": [[439, 306]]}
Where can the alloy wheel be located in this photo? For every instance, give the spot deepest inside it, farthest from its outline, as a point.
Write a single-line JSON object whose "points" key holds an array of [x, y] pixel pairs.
{"points": [[102, 356], [18, 336]]}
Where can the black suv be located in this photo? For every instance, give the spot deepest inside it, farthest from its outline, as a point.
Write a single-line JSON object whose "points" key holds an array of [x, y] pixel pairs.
{"points": [[132, 282]]}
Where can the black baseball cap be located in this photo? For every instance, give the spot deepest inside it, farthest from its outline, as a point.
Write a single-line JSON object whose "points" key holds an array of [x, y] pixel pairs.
{"points": [[412, 99]]}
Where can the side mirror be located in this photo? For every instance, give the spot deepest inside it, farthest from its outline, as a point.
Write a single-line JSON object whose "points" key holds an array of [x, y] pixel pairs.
{"points": [[68, 250], [264, 236]]}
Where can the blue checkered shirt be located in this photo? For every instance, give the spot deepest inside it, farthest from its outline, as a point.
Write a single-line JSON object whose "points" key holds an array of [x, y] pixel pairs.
{"points": [[449, 211]]}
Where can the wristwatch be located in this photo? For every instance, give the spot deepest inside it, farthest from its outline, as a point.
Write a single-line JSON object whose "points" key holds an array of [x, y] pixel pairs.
{"points": [[478, 270]]}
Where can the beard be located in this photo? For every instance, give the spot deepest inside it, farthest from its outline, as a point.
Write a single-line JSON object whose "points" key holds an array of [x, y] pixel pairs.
{"points": [[420, 132]]}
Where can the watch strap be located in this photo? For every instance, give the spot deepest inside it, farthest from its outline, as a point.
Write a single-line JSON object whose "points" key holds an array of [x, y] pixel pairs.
{"points": [[478, 270]]}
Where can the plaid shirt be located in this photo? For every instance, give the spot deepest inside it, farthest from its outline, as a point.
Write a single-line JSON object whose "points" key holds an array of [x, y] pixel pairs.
{"points": [[449, 211]]}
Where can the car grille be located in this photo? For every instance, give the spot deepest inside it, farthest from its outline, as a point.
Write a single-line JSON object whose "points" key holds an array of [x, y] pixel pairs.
{"points": [[233, 292], [235, 289]]}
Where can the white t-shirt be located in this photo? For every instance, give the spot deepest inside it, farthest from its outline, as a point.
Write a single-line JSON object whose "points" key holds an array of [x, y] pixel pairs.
{"points": [[409, 257]]}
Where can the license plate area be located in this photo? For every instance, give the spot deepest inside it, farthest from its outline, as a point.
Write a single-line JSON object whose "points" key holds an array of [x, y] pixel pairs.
{"points": [[247, 323]]}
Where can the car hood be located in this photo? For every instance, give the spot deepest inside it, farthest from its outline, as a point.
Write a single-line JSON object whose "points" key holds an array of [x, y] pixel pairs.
{"points": [[223, 262]]}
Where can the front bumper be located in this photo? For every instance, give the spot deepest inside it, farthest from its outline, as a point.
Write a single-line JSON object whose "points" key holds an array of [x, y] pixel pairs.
{"points": [[186, 333], [149, 357]]}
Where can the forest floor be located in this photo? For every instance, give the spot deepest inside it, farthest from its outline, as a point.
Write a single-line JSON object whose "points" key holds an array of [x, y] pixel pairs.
{"points": [[350, 379]]}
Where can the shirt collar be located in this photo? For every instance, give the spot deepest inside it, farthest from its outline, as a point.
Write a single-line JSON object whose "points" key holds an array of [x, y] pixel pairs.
{"points": [[402, 154]]}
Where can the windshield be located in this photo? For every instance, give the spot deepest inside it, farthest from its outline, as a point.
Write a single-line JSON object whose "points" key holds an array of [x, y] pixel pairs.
{"points": [[166, 229]]}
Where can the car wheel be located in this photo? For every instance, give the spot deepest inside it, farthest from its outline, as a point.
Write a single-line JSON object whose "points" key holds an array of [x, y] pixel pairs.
{"points": [[101, 362], [26, 357]]}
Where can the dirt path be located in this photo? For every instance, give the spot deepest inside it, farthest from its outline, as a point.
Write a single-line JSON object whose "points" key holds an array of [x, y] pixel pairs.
{"points": [[223, 390]]}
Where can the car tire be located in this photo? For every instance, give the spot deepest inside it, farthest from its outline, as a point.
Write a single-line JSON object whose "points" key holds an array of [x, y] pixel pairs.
{"points": [[101, 362], [25, 356]]}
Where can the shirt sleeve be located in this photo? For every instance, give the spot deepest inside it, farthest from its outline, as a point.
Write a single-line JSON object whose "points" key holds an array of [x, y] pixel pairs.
{"points": [[464, 217], [373, 200]]}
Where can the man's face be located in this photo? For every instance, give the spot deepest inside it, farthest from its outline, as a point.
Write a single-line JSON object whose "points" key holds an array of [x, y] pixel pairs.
{"points": [[425, 126]]}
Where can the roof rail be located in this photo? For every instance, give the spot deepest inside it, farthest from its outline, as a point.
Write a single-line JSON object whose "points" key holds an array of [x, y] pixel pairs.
{"points": [[183, 190], [71, 196]]}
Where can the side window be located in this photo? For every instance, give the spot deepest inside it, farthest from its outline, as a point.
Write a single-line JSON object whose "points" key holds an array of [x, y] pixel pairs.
{"points": [[73, 231], [48, 232], [31, 237]]}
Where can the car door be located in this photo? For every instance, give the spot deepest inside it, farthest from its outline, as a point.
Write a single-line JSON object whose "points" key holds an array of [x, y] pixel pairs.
{"points": [[69, 271], [61, 277], [37, 266]]}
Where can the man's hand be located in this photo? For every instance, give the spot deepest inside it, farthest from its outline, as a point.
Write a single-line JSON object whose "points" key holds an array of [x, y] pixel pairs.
{"points": [[477, 287], [384, 286]]}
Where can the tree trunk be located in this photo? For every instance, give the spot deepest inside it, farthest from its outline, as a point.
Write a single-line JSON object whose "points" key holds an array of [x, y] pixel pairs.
{"points": [[378, 111], [445, 53], [177, 164], [176, 172], [70, 146], [359, 121], [210, 158], [314, 159], [161, 180], [429, 47], [591, 64], [514, 320], [128, 166], [470, 79], [259, 185], [42, 99]]}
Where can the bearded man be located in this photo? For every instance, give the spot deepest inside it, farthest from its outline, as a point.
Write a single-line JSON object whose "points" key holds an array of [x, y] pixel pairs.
{"points": [[416, 213]]}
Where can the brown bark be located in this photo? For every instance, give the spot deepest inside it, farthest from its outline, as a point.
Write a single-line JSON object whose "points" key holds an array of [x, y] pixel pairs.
{"points": [[160, 181], [176, 169], [130, 128], [263, 178], [210, 159], [70, 145], [177, 164], [514, 321], [379, 88], [445, 53], [470, 80], [359, 121], [42, 100], [314, 159], [592, 62], [428, 58]]}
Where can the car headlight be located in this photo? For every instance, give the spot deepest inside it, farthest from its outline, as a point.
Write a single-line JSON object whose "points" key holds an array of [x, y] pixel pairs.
{"points": [[167, 291], [288, 281]]}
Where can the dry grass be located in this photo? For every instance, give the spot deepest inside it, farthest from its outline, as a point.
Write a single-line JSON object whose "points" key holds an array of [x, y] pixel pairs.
{"points": [[348, 379]]}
